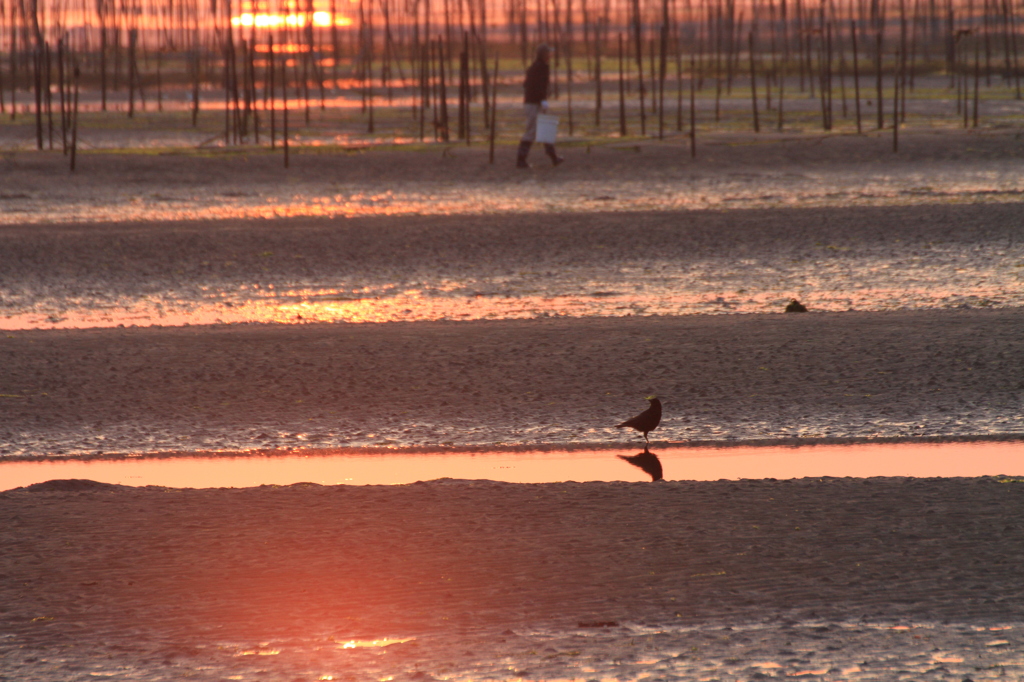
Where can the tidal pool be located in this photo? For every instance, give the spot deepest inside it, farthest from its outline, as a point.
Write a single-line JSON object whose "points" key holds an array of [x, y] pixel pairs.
{"points": [[334, 467]]}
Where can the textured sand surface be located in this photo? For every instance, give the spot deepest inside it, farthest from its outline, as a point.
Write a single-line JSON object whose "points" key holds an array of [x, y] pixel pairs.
{"points": [[860, 579], [518, 266], [916, 357], [908, 374], [495, 578], [731, 171]]}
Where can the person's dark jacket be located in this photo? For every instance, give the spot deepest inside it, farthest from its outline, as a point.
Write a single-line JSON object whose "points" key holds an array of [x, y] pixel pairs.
{"points": [[536, 84]]}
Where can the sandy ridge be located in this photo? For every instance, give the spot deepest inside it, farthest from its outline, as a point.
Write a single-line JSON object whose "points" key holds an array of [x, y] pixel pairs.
{"points": [[922, 373]]}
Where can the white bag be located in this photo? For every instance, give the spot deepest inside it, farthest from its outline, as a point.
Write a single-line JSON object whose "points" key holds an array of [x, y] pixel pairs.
{"points": [[547, 128]]}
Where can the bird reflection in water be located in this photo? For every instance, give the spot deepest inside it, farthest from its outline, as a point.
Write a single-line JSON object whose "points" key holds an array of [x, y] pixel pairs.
{"points": [[646, 460]]}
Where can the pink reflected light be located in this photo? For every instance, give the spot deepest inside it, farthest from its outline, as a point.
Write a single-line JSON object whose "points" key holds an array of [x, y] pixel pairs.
{"points": [[330, 467]]}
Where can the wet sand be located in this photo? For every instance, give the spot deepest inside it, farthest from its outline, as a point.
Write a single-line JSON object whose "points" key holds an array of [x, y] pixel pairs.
{"points": [[929, 344], [494, 580], [161, 582], [732, 170], [557, 381], [518, 266]]}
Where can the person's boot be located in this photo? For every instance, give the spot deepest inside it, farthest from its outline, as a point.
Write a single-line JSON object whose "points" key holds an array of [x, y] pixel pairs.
{"points": [[549, 149], [524, 151]]}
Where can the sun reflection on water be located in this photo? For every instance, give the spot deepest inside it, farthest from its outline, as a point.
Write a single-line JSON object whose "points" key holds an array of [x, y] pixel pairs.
{"points": [[259, 652], [833, 279], [448, 301], [373, 643], [632, 652], [326, 199]]}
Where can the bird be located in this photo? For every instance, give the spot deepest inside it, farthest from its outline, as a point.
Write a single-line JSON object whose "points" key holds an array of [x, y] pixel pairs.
{"points": [[796, 306], [646, 460], [646, 421]]}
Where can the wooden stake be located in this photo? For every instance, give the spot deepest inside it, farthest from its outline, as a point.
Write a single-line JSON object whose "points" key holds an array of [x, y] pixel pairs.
{"points": [[101, 15], [443, 90], [461, 132], [679, 78], [964, 82], [622, 93], [159, 79], [753, 81], [856, 73], [785, 60], [63, 99], [251, 100], [568, 64], [638, 41], [977, 78], [1013, 41], [598, 90], [823, 81], [878, 79], [48, 90], [896, 104], [270, 88], [284, 106], [719, 28], [195, 76], [693, 111], [132, 42], [74, 117], [424, 88], [37, 74], [494, 112], [662, 64]]}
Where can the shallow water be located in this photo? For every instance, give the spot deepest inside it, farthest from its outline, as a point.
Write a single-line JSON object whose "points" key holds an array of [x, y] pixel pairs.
{"points": [[831, 269], [938, 183], [807, 649], [942, 276], [286, 285], [326, 467], [989, 290]]}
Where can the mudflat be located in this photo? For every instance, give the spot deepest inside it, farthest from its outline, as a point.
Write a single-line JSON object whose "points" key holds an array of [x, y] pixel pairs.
{"points": [[554, 381], [491, 579], [914, 330]]}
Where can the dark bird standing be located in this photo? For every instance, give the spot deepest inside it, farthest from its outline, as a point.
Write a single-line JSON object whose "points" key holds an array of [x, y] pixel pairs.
{"points": [[646, 460], [646, 421]]}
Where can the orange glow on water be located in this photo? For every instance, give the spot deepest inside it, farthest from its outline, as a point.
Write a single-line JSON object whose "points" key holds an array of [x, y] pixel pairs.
{"points": [[372, 643], [331, 467], [441, 301], [436, 197]]}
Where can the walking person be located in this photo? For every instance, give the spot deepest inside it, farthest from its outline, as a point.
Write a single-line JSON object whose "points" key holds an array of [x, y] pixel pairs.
{"points": [[535, 101]]}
